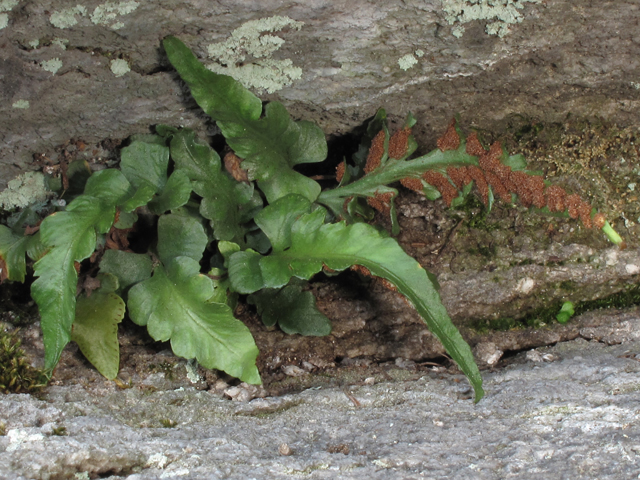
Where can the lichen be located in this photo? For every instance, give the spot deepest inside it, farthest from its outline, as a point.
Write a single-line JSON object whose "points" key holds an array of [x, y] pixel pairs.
{"points": [[119, 67], [503, 13], [106, 13], [192, 371], [407, 62], [21, 104], [24, 190], [61, 42], [6, 6], [67, 18], [262, 72], [52, 65]]}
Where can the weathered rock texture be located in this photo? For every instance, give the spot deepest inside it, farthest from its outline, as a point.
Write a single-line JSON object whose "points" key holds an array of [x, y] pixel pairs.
{"points": [[580, 57]]}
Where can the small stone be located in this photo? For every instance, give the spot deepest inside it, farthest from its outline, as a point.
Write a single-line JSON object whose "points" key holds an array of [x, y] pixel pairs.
{"points": [[533, 356], [405, 364], [308, 366], [293, 371], [632, 269], [369, 381], [220, 386], [536, 356], [245, 392], [525, 285], [285, 450], [488, 353]]}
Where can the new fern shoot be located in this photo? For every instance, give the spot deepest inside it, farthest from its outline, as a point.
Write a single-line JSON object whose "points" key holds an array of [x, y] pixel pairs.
{"points": [[266, 229]]}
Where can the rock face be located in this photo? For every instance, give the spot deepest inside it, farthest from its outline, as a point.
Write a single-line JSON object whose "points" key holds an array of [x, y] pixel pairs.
{"points": [[96, 70]]}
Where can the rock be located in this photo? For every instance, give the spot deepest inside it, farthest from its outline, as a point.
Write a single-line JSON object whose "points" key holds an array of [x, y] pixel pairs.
{"points": [[487, 353], [535, 419], [96, 73]]}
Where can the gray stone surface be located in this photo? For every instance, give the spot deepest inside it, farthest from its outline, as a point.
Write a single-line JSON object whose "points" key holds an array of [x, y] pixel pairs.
{"points": [[568, 411], [579, 57]]}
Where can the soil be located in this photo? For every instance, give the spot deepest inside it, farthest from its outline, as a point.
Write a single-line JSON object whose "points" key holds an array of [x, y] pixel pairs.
{"points": [[374, 328]]}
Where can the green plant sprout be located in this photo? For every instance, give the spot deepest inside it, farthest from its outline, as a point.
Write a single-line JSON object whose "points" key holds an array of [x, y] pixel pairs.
{"points": [[249, 224], [565, 313]]}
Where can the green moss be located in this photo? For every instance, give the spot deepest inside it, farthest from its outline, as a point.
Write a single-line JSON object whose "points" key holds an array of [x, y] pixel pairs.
{"points": [[59, 431], [165, 367], [623, 299], [547, 315], [568, 285], [16, 373], [476, 215], [168, 423]]}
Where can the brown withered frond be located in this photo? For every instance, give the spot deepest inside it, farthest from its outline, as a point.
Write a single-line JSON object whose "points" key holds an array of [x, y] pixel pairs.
{"points": [[340, 171], [232, 165]]}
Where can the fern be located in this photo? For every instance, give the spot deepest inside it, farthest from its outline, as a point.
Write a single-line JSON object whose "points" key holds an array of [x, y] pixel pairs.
{"points": [[266, 227]]}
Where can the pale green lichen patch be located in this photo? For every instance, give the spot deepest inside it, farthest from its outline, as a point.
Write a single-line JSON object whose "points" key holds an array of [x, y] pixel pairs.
{"points": [[24, 190], [500, 13], [6, 6], [192, 371], [67, 18], [119, 67], [52, 65], [407, 62], [60, 42], [246, 55], [21, 104], [107, 13]]}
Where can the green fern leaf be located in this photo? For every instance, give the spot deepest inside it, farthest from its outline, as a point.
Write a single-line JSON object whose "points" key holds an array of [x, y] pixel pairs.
{"points": [[314, 244], [270, 144], [292, 309], [72, 236], [226, 203], [173, 305], [95, 328]]}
